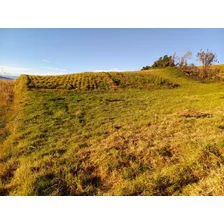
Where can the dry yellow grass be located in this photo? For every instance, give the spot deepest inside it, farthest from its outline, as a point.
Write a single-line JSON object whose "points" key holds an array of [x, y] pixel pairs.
{"points": [[6, 92], [99, 81], [6, 98]]}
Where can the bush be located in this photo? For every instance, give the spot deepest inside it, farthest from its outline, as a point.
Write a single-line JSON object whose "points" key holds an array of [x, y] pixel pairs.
{"points": [[166, 61], [146, 68], [205, 72], [162, 62], [206, 58]]}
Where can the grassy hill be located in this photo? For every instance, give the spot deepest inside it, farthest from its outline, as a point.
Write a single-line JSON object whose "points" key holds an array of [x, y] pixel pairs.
{"points": [[154, 132], [99, 81]]}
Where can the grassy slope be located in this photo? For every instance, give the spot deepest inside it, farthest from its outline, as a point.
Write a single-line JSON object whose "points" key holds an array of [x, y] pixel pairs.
{"points": [[6, 102], [6, 97], [130, 141]]}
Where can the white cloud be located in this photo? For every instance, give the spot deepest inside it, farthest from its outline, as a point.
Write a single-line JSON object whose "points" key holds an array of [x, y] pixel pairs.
{"points": [[45, 61], [64, 70], [52, 68], [16, 71], [10, 70], [47, 73], [110, 70]]}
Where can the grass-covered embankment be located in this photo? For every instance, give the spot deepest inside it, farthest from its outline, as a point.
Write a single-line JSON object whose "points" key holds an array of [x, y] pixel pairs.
{"points": [[156, 132]]}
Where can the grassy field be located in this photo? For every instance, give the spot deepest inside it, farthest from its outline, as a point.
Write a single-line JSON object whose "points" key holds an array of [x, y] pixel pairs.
{"points": [[6, 98], [152, 132]]}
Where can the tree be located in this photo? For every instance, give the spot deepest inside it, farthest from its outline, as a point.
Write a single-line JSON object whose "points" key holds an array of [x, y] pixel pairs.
{"points": [[146, 68], [206, 58], [181, 62], [162, 62]]}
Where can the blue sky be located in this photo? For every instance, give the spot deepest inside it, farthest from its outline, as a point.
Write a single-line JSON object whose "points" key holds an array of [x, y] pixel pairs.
{"points": [[63, 51]]}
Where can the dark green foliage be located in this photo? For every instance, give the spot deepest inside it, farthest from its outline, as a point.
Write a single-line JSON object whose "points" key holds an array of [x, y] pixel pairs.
{"points": [[146, 68], [162, 62]]}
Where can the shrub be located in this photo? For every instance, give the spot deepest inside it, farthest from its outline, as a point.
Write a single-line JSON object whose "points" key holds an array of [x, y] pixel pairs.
{"points": [[206, 58], [162, 62], [205, 72]]}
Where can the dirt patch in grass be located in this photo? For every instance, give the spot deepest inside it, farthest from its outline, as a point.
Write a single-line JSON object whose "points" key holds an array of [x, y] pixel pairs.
{"points": [[221, 127], [7, 172], [194, 114]]}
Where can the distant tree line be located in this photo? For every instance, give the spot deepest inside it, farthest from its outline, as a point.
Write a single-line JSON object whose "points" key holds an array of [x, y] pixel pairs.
{"points": [[206, 58]]}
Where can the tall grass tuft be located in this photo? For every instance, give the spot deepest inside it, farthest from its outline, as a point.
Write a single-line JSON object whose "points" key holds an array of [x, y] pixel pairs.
{"points": [[6, 92]]}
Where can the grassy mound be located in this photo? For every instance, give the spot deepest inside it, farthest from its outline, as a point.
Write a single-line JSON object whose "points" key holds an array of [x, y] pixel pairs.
{"points": [[100, 81], [145, 138]]}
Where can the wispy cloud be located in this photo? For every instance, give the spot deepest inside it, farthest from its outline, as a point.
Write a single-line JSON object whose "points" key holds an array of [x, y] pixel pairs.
{"points": [[10, 70], [64, 70], [45, 61], [57, 69], [16, 71], [110, 70]]}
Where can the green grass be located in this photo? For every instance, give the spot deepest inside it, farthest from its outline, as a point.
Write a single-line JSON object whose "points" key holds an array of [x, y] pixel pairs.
{"points": [[139, 136], [100, 81]]}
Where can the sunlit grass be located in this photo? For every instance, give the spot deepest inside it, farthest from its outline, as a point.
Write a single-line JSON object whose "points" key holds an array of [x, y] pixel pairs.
{"points": [[99, 81], [6, 92], [140, 138]]}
